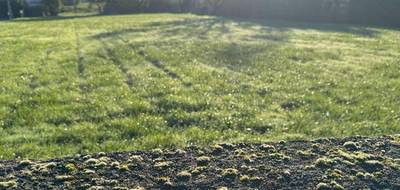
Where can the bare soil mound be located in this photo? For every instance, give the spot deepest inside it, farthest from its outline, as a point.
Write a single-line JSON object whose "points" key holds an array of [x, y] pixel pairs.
{"points": [[350, 163]]}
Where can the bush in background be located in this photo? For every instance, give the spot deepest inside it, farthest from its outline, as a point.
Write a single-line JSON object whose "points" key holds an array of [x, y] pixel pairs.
{"points": [[52, 7]]}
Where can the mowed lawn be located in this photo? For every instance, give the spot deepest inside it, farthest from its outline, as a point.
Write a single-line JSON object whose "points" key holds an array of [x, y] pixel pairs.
{"points": [[135, 82]]}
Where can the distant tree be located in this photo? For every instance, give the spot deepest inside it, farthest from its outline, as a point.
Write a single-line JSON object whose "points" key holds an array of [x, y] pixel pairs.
{"points": [[186, 5], [76, 3], [213, 5], [52, 7], [99, 4]]}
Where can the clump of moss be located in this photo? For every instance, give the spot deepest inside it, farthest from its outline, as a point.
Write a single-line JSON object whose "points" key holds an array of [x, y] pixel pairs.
{"points": [[198, 170], [336, 186], [123, 167], [335, 173], [184, 175], [230, 173], [324, 162], [280, 156], [268, 148], [366, 176], [104, 159], [240, 152], [351, 146], [71, 167], [305, 154], [136, 158], [157, 151], [355, 157], [89, 172], [90, 162], [248, 159], [244, 178], [203, 160], [64, 178], [165, 181], [332, 186], [396, 138], [222, 188], [8, 184], [162, 165]]}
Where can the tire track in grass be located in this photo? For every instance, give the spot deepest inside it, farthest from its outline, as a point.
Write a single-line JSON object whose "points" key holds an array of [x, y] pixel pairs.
{"points": [[79, 55], [33, 84], [155, 62], [111, 55]]}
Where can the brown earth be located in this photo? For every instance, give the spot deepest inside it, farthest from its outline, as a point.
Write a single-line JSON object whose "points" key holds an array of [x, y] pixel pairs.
{"points": [[350, 163]]}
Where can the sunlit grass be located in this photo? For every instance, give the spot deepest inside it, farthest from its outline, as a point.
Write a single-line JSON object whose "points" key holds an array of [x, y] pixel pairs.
{"points": [[113, 83]]}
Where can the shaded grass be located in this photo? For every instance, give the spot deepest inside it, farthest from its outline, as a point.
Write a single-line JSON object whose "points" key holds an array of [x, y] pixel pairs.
{"points": [[89, 84]]}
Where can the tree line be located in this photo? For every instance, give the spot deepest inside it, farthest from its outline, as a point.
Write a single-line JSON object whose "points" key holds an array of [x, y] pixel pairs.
{"points": [[376, 12]]}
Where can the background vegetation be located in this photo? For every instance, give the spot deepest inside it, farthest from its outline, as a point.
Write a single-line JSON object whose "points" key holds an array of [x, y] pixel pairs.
{"points": [[367, 12], [112, 83], [375, 12]]}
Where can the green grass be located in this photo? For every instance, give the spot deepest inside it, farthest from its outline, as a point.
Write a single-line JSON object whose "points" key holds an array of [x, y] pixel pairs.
{"points": [[114, 83]]}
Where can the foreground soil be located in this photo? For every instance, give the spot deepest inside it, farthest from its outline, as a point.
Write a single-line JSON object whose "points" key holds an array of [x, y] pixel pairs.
{"points": [[351, 163]]}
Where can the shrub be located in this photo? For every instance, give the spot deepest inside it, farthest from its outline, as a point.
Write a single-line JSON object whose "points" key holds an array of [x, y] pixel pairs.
{"points": [[52, 7]]}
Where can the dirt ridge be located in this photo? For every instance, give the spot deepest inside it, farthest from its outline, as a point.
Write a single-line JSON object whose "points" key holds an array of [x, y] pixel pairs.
{"points": [[348, 163]]}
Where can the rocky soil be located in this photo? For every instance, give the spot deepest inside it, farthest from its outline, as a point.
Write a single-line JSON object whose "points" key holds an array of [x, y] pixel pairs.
{"points": [[350, 163]]}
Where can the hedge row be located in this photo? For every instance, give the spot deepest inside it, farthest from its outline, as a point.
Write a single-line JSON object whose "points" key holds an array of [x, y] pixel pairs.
{"points": [[375, 12]]}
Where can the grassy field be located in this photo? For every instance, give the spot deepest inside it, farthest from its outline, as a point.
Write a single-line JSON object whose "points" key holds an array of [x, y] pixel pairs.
{"points": [[112, 83]]}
